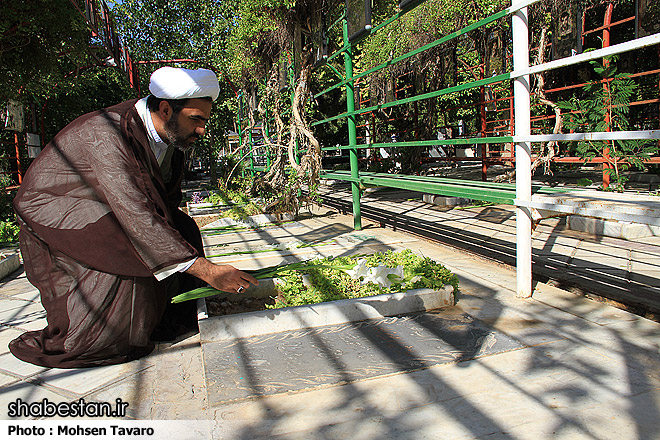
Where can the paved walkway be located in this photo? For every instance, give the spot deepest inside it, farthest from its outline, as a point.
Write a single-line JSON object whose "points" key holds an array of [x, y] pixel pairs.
{"points": [[573, 367]]}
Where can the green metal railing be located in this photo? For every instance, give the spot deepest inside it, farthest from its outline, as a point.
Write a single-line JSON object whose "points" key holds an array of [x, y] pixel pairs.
{"points": [[469, 189], [424, 184]]}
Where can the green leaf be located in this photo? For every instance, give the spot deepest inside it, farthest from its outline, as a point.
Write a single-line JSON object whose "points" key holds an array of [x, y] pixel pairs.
{"points": [[201, 292]]}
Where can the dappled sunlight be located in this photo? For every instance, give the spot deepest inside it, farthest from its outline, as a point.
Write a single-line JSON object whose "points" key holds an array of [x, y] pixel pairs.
{"points": [[551, 358], [491, 364]]}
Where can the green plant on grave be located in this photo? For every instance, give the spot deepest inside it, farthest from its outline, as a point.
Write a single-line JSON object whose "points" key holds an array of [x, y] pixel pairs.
{"points": [[605, 106], [8, 226], [476, 204], [347, 277], [326, 283], [241, 212], [237, 195], [8, 232]]}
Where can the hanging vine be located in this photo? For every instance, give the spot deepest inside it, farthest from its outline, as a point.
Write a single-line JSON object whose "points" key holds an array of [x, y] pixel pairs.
{"points": [[294, 152], [276, 176], [548, 151], [294, 173]]}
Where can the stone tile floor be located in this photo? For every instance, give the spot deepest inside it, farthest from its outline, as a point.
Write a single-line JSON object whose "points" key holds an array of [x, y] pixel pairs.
{"points": [[580, 369]]}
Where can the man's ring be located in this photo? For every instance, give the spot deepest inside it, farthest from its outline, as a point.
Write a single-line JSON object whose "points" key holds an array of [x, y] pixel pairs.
{"points": [[240, 289]]}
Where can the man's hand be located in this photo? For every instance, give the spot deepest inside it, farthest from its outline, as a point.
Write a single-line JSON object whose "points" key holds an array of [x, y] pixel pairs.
{"points": [[221, 276]]}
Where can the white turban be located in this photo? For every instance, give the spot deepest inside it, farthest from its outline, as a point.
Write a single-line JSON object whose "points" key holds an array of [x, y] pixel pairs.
{"points": [[177, 83]]}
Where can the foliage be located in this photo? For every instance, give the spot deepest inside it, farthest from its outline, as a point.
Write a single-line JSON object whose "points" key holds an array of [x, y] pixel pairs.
{"points": [[258, 38], [8, 232], [288, 196], [604, 106], [6, 196], [329, 284], [49, 63], [91, 90], [175, 29], [269, 50], [475, 204], [335, 132], [426, 23], [264, 30], [264, 37], [229, 167], [38, 49], [8, 227], [243, 211], [452, 63]]}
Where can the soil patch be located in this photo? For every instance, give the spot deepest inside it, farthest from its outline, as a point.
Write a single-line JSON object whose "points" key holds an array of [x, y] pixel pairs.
{"points": [[203, 220], [233, 305]]}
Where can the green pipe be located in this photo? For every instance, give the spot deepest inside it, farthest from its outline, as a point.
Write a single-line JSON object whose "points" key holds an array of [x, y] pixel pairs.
{"points": [[493, 195], [344, 175], [373, 31], [338, 21], [334, 69], [336, 176], [462, 141], [458, 88], [472, 189], [251, 147], [412, 53], [352, 131], [432, 179], [336, 54]]}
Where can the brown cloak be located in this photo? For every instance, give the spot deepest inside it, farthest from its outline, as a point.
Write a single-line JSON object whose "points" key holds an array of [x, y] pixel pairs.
{"points": [[97, 221]]}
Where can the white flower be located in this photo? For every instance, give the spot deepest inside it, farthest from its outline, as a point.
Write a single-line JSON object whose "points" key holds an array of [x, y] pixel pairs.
{"points": [[381, 275], [370, 277], [398, 272], [360, 270]]}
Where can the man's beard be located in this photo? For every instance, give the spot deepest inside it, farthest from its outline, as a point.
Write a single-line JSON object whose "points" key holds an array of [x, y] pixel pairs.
{"points": [[176, 137]]}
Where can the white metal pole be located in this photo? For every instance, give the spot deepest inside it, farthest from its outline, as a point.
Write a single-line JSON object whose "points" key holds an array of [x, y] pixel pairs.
{"points": [[521, 105]]}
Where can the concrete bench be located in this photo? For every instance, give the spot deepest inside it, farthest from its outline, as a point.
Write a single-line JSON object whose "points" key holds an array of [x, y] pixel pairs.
{"points": [[627, 207]]}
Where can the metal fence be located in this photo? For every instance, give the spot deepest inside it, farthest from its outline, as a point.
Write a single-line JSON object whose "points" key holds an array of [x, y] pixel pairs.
{"points": [[518, 133]]}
